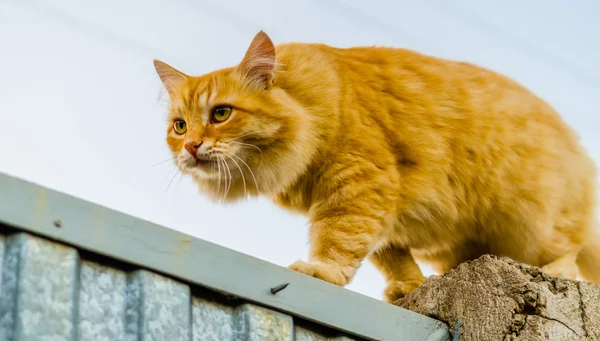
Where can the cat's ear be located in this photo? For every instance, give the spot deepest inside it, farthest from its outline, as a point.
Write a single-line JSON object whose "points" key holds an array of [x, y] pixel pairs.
{"points": [[170, 77], [258, 66]]}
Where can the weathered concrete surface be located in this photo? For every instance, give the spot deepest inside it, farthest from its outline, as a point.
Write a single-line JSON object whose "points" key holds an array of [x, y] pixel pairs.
{"points": [[493, 298]]}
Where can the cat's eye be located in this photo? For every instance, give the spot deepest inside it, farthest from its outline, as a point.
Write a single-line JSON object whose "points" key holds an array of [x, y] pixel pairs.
{"points": [[180, 127], [221, 114]]}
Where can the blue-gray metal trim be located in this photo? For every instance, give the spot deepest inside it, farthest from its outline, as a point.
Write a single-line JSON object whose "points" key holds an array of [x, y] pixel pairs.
{"points": [[158, 251]]}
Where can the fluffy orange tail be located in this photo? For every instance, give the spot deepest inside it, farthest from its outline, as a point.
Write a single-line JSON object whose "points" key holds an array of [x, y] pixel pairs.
{"points": [[588, 261]]}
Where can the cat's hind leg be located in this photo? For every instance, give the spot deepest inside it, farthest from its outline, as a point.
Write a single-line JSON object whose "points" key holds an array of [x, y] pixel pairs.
{"points": [[401, 273], [565, 266], [588, 260]]}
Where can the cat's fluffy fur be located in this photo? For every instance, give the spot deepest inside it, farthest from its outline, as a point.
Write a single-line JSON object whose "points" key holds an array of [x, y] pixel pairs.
{"points": [[392, 154]]}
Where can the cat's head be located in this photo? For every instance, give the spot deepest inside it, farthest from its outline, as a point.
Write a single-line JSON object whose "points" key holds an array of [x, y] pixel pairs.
{"points": [[234, 130]]}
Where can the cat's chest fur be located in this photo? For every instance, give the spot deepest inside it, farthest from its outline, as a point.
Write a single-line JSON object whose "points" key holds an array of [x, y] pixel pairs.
{"points": [[298, 198]]}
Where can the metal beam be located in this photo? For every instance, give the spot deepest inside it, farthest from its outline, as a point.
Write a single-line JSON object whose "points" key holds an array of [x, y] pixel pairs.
{"points": [[64, 218]]}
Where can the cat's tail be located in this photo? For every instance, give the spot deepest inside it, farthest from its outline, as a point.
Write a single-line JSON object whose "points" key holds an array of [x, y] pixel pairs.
{"points": [[588, 260]]}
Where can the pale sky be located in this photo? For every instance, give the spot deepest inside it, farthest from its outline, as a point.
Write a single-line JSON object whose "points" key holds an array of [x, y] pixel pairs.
{"points": [[78, 92]]}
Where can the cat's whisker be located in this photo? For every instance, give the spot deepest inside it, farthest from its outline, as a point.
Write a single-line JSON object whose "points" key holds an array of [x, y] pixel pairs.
{"points": [[241, 172], [250, 145], [239, 137], [230, 177], [249, 169], [170, 182], [157, 164], [178, 184], [221, 162], [219, 175], [219, 178], [167, 176]]}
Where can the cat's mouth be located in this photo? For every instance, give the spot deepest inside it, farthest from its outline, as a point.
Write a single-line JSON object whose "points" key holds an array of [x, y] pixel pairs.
{"points": [[189, 163], [208, 166]]}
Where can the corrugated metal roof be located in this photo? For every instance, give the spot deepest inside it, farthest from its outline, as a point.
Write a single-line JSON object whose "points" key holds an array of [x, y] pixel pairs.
{"points": [[152, 283]]}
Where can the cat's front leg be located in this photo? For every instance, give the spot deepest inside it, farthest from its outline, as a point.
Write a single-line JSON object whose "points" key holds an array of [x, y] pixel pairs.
{"points": [[340, 240]]}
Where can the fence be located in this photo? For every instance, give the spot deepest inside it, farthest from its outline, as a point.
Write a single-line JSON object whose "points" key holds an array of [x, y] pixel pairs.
{"points": [[72, 270]]}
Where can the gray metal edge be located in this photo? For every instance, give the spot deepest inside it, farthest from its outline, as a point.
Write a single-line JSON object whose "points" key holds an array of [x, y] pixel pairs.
{"points": [[33, 208]]}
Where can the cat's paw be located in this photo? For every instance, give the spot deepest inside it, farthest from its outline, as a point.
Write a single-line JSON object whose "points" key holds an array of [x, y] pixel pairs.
{"points": [[396, 290], [327, 272]]}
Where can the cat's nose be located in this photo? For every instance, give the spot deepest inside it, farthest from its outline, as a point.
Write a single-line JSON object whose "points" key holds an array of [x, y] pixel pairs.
{"points": [[193, 147]]}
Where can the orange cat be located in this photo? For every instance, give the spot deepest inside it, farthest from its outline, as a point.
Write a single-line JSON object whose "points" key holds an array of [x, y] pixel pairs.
{"points": [[392, 155]]}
